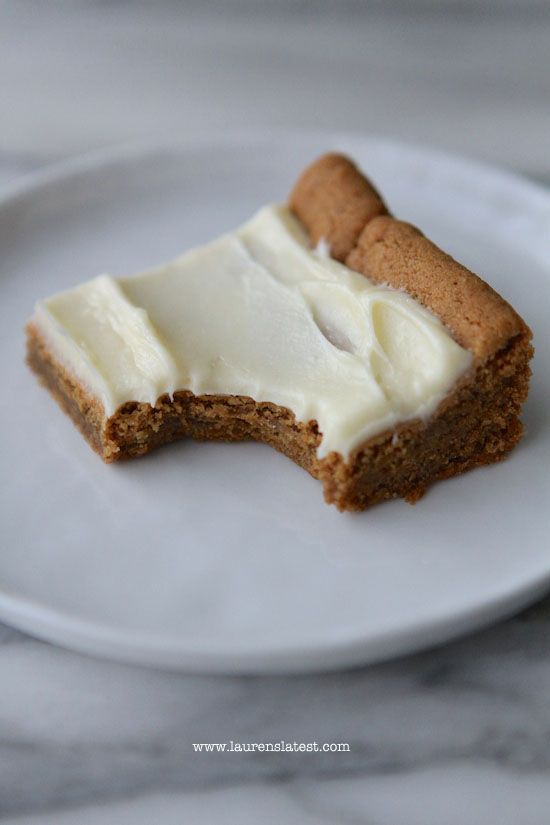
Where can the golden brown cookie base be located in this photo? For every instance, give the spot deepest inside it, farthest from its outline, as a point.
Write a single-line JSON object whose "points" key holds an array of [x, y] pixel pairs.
{"points": [[136, 429], [476, 424]]}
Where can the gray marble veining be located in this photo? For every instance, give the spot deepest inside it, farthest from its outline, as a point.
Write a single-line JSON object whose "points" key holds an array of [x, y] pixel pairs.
{"points": [[75, 731]]}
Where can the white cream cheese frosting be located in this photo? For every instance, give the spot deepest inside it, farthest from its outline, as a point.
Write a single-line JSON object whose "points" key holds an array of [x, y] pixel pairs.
{"points": [[260, 314]]}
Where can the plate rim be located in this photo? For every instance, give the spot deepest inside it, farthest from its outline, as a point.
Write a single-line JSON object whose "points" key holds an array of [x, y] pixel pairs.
{"points": [[83, 163], [162, 652]]}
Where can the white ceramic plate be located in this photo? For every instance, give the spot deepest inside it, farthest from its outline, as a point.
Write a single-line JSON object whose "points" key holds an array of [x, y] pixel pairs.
{"points": [[224, 558]]}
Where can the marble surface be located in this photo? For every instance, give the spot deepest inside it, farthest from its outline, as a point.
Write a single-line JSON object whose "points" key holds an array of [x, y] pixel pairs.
{"points": [[470, 75], [460, 734]]}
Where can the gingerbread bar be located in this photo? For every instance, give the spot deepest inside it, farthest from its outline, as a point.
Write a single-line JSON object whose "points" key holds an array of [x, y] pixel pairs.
{"points": [[326, 328]]}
